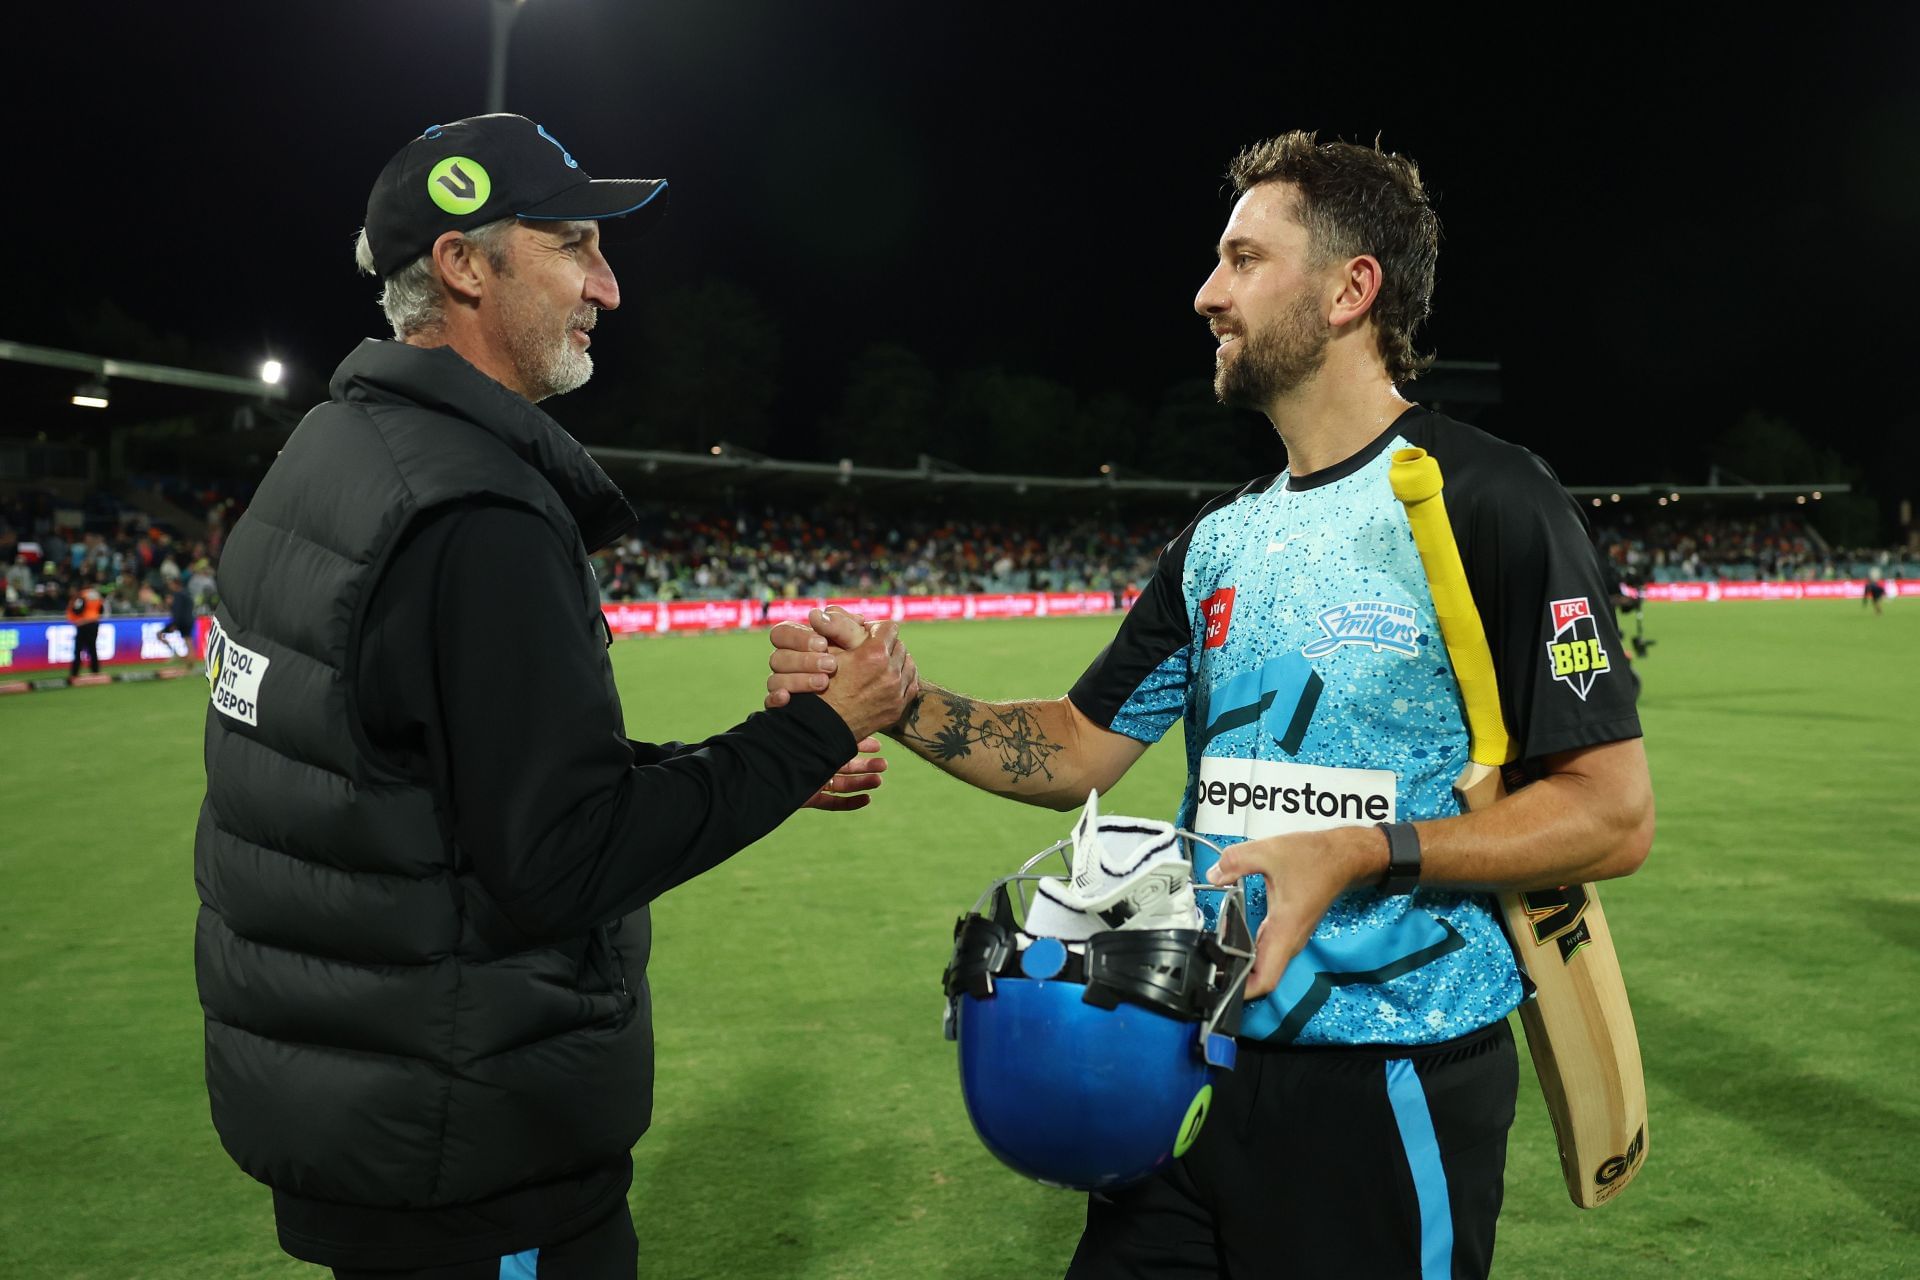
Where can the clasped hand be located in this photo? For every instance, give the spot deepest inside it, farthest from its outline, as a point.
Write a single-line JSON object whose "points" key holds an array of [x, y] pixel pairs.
{"points": [[868, 684]]}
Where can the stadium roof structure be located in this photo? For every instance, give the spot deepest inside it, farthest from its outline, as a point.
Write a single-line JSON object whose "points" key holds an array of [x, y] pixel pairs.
{"points": [[733, 471], [1669, 494], [58, 408], [107, 368], [728, 467]]}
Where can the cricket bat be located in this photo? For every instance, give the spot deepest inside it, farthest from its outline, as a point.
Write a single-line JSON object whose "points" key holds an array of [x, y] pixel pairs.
{"points": [[1578, 1023]]}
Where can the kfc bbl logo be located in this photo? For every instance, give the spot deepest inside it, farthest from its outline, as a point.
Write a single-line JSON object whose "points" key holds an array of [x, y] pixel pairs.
{"points": [[1574, 652]]}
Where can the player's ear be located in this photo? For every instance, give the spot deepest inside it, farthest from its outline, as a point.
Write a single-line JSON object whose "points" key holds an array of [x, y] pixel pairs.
{"points": [[1355, 290]]}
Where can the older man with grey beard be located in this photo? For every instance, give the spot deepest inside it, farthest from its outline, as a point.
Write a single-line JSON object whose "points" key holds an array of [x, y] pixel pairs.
{"points": [[428, 845]]}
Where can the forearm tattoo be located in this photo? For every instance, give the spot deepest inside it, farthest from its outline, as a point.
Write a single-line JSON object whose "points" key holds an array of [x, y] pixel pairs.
{"points": [[950, 733]]}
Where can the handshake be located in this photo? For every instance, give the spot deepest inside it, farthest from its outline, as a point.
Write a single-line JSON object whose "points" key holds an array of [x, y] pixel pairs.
{"points": [[861, 670]]}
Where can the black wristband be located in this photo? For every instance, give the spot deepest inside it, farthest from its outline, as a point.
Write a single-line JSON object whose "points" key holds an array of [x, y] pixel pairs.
{"points": [[1403, 857]]}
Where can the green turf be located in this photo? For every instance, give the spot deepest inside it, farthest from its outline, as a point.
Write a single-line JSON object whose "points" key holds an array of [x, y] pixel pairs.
{"points": [[808, 1121]]}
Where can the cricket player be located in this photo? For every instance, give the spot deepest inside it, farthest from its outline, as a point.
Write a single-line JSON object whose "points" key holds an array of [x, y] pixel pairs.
{"points": [[1290, 630]]}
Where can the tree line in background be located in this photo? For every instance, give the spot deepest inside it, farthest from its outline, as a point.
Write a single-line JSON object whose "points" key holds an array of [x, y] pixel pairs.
{"points": [[708, 363], [1761, 448], [708, 367]]}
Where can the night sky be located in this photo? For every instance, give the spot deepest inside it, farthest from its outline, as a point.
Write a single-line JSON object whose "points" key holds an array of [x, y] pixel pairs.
{"points": [[1654, 229]]}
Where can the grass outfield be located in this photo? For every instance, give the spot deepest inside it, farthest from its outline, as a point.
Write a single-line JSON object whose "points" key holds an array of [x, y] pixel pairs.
{"points": [[808, 1119]]}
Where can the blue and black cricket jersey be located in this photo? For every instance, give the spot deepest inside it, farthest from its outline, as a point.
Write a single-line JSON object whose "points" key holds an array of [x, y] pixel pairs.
{"points": [[1290, 627]]}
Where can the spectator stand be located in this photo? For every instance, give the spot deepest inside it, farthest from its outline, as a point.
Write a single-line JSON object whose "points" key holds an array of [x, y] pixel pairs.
{"points": [[733, 524], [1730, 533]]}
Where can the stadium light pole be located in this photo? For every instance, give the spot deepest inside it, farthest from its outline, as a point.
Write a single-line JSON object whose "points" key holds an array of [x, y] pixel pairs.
{"points": [[504, 12]]}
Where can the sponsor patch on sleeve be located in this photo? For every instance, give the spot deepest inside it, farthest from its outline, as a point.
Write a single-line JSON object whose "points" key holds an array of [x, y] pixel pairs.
{"points": [[234, 673], [1574, 654]]}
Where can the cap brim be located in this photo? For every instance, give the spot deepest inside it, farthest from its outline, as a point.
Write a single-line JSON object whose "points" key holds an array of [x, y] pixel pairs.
{"points": [[601, 198]]}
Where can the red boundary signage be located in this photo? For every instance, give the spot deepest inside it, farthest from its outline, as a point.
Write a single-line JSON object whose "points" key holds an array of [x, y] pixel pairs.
{"points": [[1830, 589], [646, 616], [41, 645]]}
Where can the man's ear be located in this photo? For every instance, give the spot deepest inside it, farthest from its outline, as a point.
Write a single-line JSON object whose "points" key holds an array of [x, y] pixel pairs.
{"points": [[462, 268], [1357, 290]]}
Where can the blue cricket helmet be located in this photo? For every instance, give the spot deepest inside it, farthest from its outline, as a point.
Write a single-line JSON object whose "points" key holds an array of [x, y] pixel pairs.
{"points": [[1092, 1010]]}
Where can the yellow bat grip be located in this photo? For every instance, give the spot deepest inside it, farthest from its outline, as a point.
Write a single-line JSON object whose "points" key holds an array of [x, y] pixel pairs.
{"points": [[1415, 476]]}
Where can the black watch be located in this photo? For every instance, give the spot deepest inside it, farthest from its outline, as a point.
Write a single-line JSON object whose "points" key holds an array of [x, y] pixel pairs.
{"points": [[1403, 857]]}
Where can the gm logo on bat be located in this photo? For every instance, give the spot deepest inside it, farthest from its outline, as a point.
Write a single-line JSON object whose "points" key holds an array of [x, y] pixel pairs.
{"points": [[1612, 1173], [1559, 915]]}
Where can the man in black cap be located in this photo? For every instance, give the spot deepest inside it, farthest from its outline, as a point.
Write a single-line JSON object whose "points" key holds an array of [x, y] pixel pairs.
{"points": [[427, 845]]}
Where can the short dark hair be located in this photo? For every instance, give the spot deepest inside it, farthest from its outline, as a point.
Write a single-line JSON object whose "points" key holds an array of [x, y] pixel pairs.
{"points": [[1356, 200]]}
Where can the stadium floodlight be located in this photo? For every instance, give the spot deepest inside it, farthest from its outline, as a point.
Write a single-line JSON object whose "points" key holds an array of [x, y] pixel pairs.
{"points": [[91, 395], [272, 371], [503, 14], [104, 369]]}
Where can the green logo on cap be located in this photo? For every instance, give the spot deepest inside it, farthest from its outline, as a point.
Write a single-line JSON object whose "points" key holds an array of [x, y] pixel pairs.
{"points": [[459, 185]]}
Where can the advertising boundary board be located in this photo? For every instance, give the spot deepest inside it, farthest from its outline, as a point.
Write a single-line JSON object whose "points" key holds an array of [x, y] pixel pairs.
{"points": [[43, 646], [657, 617], [38, 649]]}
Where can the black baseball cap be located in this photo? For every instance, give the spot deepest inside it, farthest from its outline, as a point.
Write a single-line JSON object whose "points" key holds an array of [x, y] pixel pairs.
{"points": [[458, 176]]}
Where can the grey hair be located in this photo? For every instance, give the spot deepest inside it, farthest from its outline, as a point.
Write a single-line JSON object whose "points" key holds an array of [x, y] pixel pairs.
{"points": [[412, 297]]}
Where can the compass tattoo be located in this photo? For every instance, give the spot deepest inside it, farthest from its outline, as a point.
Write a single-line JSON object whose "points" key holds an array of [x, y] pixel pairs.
{"points": [[1011, 734]]}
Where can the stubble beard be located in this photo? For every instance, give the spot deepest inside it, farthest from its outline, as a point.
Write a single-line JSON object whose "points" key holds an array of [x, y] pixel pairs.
{"points": [[1275, 360], [547, 363]]}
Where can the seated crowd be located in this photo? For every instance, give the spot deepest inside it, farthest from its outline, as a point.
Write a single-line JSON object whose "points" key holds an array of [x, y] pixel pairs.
{"points": [[712, 553], [685, 552], [1766, 547], [51, 548], [674, 553]]}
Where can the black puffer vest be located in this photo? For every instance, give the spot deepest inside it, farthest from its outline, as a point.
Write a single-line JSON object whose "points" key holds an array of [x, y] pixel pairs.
{"points": [[377, 1032]]}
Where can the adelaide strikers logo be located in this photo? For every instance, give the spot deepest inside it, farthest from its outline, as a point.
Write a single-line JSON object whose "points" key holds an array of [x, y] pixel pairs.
{"points": [[1574, 652], [1378, 625]]}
